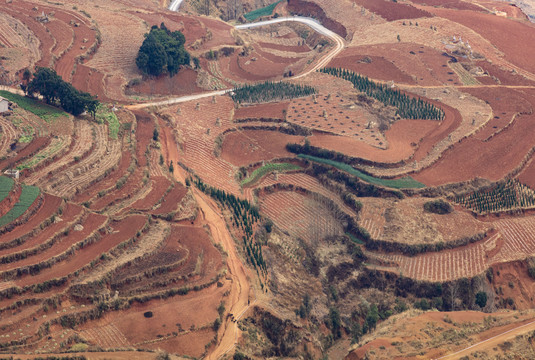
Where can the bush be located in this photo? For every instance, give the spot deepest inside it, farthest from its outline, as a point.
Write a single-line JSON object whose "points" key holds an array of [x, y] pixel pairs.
{"points": [[439, 206], [481, 299]]}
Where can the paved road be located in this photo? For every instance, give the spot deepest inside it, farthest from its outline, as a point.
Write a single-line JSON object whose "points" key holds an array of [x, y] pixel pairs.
{"points": [[175, 4], [315, 25]]}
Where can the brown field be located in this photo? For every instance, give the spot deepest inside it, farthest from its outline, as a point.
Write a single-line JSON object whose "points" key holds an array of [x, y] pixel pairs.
{"points": [[391, 11]]}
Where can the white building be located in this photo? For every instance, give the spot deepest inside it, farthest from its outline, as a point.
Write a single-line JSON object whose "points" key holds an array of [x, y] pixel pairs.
{"points": [[4, 105]]}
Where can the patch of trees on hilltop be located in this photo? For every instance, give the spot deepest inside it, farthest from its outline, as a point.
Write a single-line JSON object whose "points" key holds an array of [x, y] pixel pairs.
{"points": [[407, 107], [162, 52], [53, 89]]}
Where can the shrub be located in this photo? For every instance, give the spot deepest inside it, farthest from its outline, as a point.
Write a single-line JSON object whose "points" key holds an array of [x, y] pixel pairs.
{"points": [[439, 206]]}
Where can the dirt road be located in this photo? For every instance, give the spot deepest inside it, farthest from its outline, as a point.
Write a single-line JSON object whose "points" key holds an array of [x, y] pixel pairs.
{"points": [[491, 342]]}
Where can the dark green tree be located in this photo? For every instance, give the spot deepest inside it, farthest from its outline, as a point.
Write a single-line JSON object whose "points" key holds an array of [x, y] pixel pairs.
{"points": [[481, 299]]}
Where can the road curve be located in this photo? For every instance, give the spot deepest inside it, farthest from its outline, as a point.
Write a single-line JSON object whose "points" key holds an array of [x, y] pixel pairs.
{"points": [[175, 4], [312, 23]]}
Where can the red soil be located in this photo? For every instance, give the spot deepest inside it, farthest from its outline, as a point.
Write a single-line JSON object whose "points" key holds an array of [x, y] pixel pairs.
{"points": [[380, 68], [501, 32], [89, 80], [505, 77], [159, 187], [491, 159], [248, 146], [70, 213], [527, 176], [171, 200], [449, 4], [123, 230], [144, 132], [391, 11], [107, 182], [91, 223], [294, 48], [183, 83], [221, 33], [309, 9], [63, 34], [261, 69], [32, 148], [48, 208], [268, 111], [28, 19]]}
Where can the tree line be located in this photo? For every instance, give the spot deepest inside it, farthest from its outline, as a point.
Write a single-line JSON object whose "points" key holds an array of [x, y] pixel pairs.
{"points": [[269, 91], [54, 90], [407, 107]]}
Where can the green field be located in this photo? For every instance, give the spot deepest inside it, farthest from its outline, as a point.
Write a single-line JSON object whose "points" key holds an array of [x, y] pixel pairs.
{"points": [[265, 11], [44, 111], [403, 183], [6, 184], [27, 197], [108, 116], [262, 171]]}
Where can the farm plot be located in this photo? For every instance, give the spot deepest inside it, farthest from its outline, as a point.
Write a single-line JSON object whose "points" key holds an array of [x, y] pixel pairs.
{"points": [[260, 172], [497, 156], [160, 185], [49, 207], [122, 230], [106, 337], [243, 147], [371, 216], [171, 201], [27, 197], [58, 250], [8, 134], [83, 142], [519, 239], [339, 115], [300, 215], [57, 145], [275, 110], [12, 244], [467, 261], [504, 196], [78, 176], [391, 11], [6, 186]]}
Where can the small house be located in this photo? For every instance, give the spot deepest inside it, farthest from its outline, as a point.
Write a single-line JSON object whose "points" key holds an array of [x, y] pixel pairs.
{"points": [[4, 105]]}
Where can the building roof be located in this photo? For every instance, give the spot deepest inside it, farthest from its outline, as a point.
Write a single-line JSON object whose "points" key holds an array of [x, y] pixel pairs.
{"points": [[2, 99]]}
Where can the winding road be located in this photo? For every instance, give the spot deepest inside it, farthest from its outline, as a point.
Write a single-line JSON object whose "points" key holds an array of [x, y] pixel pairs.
{"points": [[312, 23]]}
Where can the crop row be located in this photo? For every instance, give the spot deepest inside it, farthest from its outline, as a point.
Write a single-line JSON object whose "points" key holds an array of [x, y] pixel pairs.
{"points": [[27, 197]]}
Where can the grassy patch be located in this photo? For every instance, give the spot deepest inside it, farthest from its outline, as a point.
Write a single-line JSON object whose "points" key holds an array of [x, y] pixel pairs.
{"points": [[262, 171], [6, 184], [265, 11], [403, 183], [108, 116], [44, 111], [27, 197]]}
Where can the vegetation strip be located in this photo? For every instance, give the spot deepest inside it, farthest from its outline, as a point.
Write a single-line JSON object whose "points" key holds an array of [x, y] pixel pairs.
{"points": [[407, 107], [44, 111], [264, 170], [403, 183], [265, 11], [27, 197], [269, 91], [108, 116], [6, 184]]}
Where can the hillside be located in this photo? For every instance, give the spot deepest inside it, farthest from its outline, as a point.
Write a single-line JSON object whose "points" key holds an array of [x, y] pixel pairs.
{"points": [[294, 179]]}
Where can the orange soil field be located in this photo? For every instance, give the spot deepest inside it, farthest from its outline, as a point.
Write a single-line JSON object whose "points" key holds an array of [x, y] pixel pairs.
{"points": [[122, 230], [48, 208], [258, 111], [449, 4], [391, 11], [159, 186], [499, 31], [243, 147], [171, 200], [70, 213], [379, 68], [90, 224], [494, 158]]}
